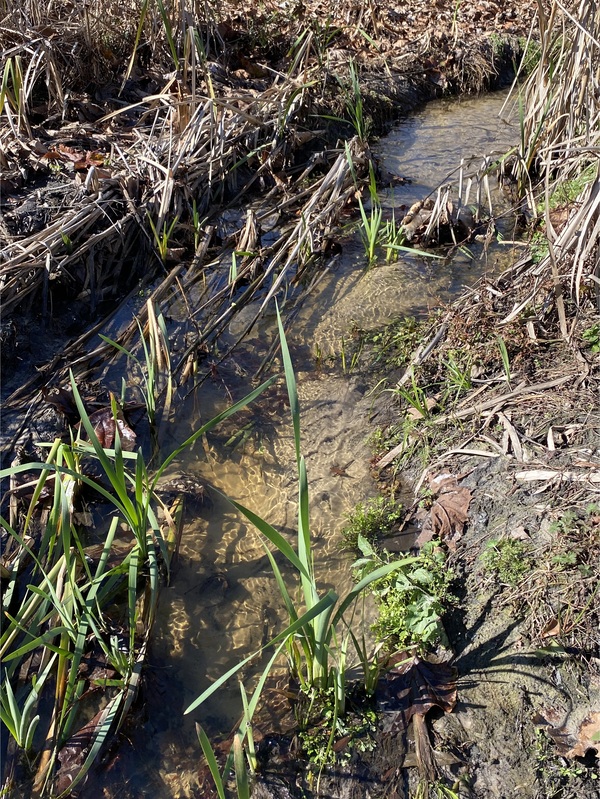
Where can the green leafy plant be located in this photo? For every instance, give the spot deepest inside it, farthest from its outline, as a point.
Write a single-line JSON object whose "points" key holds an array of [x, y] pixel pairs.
{"points": [[357, 730], [66, 603], [315, 640], [592, 337], [412, 600], [371, 519], [508, 558]]}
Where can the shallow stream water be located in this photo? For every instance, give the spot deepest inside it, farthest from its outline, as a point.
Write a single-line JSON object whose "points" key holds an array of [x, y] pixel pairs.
{"points": [[223, 601]]}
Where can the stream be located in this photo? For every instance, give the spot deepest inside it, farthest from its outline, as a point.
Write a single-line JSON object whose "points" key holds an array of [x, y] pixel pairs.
{"points": [[223, 603]]}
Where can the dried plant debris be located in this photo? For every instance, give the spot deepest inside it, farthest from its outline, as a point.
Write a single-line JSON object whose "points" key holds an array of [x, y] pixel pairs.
{"points": [[414, 686], [449, 512], [571, 741]]}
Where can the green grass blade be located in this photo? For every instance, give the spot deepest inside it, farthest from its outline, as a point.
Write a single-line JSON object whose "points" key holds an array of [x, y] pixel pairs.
{"points": [[273, 535], [103, 728], [211, 760], [290, 380], [241, 772]]}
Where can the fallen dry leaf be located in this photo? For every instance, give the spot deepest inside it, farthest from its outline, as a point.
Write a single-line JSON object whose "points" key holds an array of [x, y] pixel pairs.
{"points": [[449, 512], [588, 736], [571, 743], [414, 686], [104, 427]]}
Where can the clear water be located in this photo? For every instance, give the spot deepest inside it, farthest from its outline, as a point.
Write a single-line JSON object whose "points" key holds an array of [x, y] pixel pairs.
{"points": [[223, 601]]}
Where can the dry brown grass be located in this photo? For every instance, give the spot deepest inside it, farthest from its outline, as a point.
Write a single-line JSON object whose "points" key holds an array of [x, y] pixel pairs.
{"points": [[560, 137]]}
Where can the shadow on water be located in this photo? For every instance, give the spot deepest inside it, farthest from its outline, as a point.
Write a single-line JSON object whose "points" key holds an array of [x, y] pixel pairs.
{"points": [[223, 602]]}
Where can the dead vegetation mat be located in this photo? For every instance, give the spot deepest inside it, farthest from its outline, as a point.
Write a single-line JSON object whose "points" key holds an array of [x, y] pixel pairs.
{"points": [[121, 144]]}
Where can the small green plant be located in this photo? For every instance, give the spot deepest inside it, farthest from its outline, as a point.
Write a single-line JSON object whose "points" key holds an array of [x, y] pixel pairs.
{"points": [[504, 357], [508, 558], [412, 600], [66, 240], [458, 374], [559, 777], [356, 729], [371, 224], [414, 396], [155, 368], [371, 519], [317, 636], [538, 247], [163, 237], [592, 337], [197, 224], [394, 345], [567, 191], [392, 239], [348, 368], [354, 105]]}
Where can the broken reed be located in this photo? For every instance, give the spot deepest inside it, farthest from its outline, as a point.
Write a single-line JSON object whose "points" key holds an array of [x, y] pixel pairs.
{"points": [[195, 145]]}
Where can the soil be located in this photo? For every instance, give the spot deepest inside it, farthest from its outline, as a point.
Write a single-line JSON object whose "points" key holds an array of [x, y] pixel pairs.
{"points": [[528, 663]]}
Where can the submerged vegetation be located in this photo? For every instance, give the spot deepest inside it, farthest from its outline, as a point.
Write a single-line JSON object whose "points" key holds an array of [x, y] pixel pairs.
{"points": [[124, 148]]}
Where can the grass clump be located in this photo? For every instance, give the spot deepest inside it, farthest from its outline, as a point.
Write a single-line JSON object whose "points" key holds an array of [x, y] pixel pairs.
{"points": [[370, 520], [508, 558]]}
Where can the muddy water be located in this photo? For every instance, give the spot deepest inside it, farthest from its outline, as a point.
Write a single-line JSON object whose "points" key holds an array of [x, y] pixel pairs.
{"points": [[223, 602]]}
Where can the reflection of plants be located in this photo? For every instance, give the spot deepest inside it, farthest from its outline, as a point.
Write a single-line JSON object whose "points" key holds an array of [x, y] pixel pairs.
{"points": [[508, 558], [411, 600], [371, 519]]}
